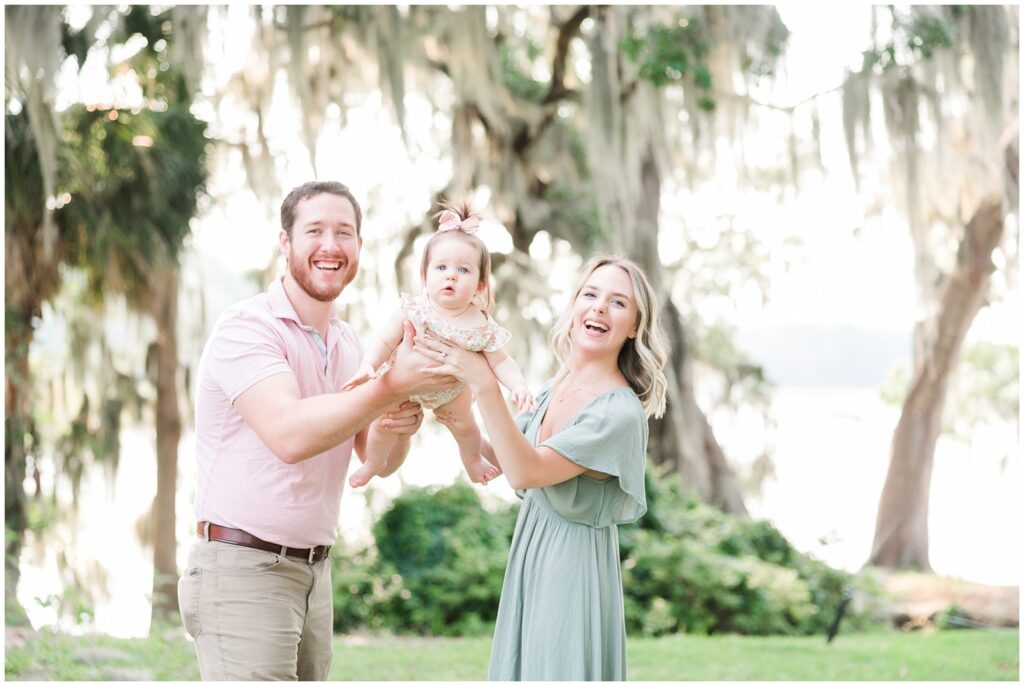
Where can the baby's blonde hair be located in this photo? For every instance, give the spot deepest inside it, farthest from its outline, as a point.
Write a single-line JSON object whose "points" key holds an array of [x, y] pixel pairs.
{"points": [[485, 299], [641, 359]]}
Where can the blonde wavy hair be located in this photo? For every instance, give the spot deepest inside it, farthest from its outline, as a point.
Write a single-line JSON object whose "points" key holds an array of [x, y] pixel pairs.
{"points": [[641, 359]]}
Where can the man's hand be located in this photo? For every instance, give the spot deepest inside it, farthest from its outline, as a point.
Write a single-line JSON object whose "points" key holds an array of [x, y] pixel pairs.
{"points": [[406, 420], [406, 376]]}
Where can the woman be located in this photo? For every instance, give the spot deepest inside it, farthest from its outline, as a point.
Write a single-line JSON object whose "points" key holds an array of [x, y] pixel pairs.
{"points": [[578, 464]]}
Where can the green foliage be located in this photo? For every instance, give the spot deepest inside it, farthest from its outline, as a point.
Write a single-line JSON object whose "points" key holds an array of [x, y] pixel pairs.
{"points": [[439, 562], [911, 41], [987, 383], [160, 79], [437, 568], [574, 211], [23, 183], [673, 54], [689, 567], [983, 389], [517, 80], [133, 185], [760, 59]]}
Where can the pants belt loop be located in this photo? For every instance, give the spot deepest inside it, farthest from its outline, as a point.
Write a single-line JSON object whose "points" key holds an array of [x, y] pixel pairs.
{"points": [[206, 531], [312, 553], [284, 550]]}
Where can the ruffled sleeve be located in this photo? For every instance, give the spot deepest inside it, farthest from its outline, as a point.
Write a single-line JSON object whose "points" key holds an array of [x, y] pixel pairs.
{"points": [[499, 336], [414, 310], [610, 436]]}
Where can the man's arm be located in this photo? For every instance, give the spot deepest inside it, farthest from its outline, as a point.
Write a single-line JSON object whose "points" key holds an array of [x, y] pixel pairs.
{"points": [[296, 428]]}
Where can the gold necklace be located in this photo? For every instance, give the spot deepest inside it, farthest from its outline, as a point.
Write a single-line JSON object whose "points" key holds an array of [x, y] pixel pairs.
{"points": [[565, 394]]}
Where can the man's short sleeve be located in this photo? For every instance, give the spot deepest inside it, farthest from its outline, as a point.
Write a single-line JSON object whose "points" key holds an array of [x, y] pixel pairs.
{"points": [[243, 350]]}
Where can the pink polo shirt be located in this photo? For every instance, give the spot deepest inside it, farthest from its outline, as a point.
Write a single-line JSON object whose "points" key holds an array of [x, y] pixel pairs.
{"points": [[240, 483]]}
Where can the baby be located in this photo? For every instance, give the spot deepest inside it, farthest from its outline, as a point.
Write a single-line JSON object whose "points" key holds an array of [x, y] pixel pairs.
{"points": [[455, 304]]}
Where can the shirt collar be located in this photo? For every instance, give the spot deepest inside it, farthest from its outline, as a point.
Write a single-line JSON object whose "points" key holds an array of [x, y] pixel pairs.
{"points": [[282, 308]]}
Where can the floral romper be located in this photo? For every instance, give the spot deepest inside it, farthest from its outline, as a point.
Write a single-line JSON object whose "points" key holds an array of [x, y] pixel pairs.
{"points": [[487, 337]]}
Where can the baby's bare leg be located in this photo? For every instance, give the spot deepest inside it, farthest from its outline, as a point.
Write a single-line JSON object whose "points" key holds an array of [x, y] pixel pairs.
{"points": [[467, 435], [378, 447]]}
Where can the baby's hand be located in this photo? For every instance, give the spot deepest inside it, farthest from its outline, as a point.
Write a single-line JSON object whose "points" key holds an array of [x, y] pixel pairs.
{"points": [[523, 399], [362, 375]]}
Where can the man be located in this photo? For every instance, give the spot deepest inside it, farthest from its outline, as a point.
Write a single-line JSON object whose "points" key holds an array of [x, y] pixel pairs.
{"points": [[273, 443]]}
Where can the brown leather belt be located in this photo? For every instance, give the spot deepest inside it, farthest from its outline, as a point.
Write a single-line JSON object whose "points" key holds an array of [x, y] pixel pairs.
{"points": [[214, 532]]}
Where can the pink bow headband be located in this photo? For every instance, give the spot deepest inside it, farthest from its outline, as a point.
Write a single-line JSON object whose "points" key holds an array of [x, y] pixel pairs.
{"points": [[449, 221]]}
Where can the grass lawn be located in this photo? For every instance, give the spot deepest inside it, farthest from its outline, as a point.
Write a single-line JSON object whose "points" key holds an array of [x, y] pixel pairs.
{"points": [[885, 656]]}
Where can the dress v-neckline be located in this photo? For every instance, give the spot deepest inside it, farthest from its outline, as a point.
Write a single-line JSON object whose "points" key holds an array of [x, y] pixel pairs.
{"points": [[543, 411]]}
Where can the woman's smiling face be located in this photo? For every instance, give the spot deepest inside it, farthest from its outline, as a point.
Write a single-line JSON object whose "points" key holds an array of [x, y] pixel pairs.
{"points": [[605, 311]]}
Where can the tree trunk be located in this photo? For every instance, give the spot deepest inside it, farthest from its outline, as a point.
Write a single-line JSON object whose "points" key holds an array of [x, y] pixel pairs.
{"points": [[901, 530], [29, 280], [18, 336], [168, 435], [683, 439]]}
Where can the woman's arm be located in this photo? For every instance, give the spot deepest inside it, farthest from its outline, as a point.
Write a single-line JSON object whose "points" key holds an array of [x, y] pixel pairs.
{"points": [[524, 465]]}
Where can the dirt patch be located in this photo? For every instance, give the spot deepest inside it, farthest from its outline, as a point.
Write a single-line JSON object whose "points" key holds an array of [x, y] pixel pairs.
{"points": [[918, 599]]}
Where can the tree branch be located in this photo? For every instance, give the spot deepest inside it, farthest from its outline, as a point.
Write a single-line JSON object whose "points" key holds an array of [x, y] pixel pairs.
{"points": [[526, 136], [566, 32]]}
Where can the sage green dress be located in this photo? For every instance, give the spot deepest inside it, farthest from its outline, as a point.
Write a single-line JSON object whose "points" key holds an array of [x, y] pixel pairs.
{"points": [[560, 616]]}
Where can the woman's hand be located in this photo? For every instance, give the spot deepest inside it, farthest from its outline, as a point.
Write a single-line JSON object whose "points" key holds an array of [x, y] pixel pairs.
{"points": [[469, 367], [405, 420]]}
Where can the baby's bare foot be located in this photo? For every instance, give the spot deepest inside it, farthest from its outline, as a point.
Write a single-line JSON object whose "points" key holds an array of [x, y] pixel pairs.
{"points": [[480, 470], [364, 474]]}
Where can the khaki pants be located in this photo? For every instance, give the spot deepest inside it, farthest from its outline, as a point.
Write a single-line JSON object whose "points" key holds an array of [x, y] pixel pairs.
{"points": [[256, 615]]}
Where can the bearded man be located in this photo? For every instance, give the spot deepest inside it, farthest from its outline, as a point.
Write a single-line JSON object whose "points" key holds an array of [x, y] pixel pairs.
{"points": [[273, 444]]}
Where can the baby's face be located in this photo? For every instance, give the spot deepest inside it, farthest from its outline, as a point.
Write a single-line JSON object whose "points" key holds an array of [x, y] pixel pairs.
{"points": [[453, 274]]}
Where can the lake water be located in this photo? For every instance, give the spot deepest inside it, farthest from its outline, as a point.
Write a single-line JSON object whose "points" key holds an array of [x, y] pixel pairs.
{"points": [[830, 453]]}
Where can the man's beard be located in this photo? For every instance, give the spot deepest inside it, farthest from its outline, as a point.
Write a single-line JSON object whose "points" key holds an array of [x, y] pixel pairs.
{"points": [[302, 273]]}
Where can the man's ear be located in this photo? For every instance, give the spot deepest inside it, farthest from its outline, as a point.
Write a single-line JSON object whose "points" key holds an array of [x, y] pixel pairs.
{"points": [[285, 242]]}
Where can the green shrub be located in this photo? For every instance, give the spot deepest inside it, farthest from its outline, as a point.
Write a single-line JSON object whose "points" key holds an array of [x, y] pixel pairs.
{"points": [[439, 561], [689, 567], [437, 567]]}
